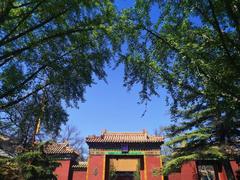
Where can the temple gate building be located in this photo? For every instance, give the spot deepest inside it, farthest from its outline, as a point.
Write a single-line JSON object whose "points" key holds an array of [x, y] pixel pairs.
{"points": [[124, 156]]}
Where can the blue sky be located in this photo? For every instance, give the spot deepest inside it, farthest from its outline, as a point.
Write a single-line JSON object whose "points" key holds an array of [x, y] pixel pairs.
{"points": [[110, 106]]}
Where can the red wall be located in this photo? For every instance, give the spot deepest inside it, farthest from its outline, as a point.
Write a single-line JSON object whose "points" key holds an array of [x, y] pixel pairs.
{"points": [[152, 162], [95, 167], [234, 166], [79, 174], [189, 171], [62, 171], [222, 174], [174, 176]]}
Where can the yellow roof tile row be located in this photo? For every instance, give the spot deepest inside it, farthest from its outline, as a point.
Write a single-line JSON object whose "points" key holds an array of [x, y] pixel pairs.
{"points": [[125, 137]]}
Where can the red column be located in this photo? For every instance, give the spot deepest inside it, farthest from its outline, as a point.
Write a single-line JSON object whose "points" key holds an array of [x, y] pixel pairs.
{"points": [[62, 171], [96, 167], [153, 168], [142, 175]]}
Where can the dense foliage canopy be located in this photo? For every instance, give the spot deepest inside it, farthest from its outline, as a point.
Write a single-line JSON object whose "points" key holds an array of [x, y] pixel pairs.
{"points": [[28, 164], [49, 53], [192, 49]]}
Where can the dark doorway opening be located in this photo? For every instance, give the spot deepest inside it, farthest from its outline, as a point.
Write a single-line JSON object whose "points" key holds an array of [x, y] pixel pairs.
{"points": [[124, 175]]}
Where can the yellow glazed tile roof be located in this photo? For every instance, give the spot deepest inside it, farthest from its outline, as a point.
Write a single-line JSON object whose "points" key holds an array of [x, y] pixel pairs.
{"points": [[59, 148], [125, 137]]}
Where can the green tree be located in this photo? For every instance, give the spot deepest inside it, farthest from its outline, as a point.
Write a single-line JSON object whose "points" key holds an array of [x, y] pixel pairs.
{"points": [[192, 49], [33, 164], [50, 51], [20, 121]]}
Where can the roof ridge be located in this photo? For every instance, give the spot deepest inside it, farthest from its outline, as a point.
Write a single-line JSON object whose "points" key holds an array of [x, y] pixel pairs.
{"points": [[124, 132], [60, 148], [133, 137]]}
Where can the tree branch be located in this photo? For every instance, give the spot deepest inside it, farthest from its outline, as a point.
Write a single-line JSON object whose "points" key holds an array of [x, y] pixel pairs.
{"points": [[205, 16], [233, 16], [21, 21], [23, 5], [32, 28], [19, 86], [10, 91], [11, 103], [217, 26], [221, 85], [5, 12], [9, 55]]}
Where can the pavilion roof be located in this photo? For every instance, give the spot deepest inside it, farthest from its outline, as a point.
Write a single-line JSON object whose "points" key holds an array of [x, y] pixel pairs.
{"points": [[59, 148], [124, 137]]}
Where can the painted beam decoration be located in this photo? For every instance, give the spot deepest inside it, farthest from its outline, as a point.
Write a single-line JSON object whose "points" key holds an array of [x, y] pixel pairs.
{"points": [[124, 148], [124, 153]]}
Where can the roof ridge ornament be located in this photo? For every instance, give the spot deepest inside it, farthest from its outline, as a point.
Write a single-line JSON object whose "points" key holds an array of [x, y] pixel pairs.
{"points": [[103, 133], [145, 133]]}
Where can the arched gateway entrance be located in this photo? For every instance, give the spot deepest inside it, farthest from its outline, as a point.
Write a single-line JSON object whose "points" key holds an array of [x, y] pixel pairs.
{"points": [[124, 156]]}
